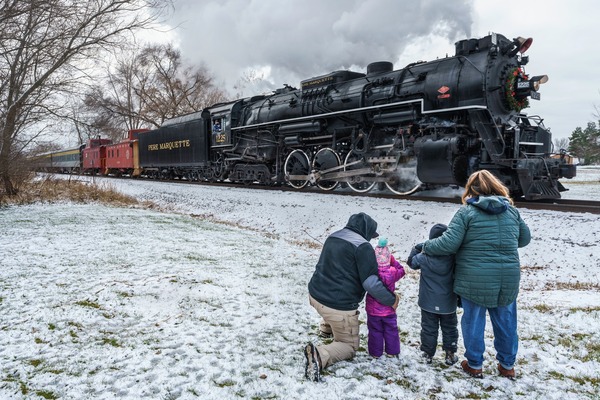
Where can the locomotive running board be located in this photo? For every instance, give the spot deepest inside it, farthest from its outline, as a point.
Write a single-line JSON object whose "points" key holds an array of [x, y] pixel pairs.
{"points": [[358, 110]]}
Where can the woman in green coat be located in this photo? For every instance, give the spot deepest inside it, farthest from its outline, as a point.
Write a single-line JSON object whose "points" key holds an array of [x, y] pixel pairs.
{"points": [[485, 234]]}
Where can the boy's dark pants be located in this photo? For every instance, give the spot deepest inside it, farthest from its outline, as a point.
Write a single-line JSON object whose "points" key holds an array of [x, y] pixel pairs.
{"points": [[430, 324]]}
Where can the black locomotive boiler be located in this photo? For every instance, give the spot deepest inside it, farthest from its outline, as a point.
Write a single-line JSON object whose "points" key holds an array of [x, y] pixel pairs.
{"points": [[427, 125]]}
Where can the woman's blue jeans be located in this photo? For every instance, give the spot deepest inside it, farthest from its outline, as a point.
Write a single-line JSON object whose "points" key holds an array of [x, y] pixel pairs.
{"points": [[506, 340]]}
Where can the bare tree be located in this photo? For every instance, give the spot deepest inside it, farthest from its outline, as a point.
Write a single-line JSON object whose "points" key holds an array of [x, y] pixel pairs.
{"points": [[561, 144], [46, 47], [169, 88], [146, 88]]}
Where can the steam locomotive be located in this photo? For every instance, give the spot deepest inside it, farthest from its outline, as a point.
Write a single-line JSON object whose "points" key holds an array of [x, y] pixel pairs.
{"points": [[427, 125]]}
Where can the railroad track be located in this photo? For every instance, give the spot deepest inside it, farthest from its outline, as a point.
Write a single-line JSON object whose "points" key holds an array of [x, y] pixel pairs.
{"points": [[563, 205]]}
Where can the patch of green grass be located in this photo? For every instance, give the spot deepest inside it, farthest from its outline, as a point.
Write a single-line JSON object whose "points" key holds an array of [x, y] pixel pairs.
{"points": [[225, 383], [543, 308], [571, 341], [580, 336], [581, 380], [535, 338], [55, 371], [22, 386], [587, 286], [51, 327], [46, 394], [585, 309], [376, 375], [111, 341], [405, 383], [88, 303], [35, 362], [593, 349], [477, 396]]}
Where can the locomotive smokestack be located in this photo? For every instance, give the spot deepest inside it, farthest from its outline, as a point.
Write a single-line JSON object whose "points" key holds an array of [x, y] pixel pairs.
{"points": [[379, 67]]}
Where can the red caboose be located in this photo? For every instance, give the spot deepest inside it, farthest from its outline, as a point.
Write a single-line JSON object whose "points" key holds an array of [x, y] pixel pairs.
{"points": [[94, 156], [122, 158]]}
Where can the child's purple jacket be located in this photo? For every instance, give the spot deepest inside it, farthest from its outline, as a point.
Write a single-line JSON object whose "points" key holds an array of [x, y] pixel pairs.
{"points": [[389, 275]]}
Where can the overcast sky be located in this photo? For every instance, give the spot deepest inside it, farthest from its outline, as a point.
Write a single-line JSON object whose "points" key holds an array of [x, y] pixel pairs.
{"points": [[291, 40]]}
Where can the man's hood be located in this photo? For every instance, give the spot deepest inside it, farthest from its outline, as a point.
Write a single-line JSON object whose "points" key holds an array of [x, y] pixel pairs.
{"points": [[490, 204], [364, 225]]}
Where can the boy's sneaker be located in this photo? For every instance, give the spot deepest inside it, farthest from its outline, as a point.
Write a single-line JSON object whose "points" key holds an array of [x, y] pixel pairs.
{"points": [[312, 368], [428, 359], [451, 358], [507, 373], [475, 373]]}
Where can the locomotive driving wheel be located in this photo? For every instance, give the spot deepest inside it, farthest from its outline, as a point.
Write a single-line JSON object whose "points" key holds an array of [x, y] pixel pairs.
{"points": [[404, 180], [324, 160], [296, 169], [354, 162]]}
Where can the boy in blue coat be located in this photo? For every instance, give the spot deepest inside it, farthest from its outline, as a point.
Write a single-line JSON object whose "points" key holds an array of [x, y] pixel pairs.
{"points": [[436, 299]]}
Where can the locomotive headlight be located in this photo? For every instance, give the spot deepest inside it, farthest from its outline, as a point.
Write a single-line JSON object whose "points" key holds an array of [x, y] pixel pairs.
{"points": [[536, 81]]}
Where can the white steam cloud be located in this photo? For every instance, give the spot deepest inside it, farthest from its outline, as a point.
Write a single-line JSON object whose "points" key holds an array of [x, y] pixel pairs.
{"points": [[293, 40]]}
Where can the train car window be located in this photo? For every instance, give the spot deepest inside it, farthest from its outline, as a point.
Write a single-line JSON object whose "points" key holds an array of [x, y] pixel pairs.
{"points": [[217, 125], [219, 132]]}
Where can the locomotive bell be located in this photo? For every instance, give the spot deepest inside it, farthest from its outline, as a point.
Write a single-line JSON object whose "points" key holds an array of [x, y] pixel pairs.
{"points": [[523, 44], [520, 45]]}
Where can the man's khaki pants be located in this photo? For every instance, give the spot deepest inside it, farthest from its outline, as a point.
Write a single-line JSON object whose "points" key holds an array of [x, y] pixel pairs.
{"points": [[344, 326]]}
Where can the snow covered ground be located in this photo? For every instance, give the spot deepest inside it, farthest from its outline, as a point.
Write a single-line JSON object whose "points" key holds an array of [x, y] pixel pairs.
{"points": [[207, 299], [586, 185]]}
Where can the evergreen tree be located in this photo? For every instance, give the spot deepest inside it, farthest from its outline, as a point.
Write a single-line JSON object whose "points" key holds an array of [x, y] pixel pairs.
{"points": [[585, 144]]}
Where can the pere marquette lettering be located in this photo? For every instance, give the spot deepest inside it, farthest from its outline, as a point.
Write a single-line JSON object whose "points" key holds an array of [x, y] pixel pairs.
{"points": [[169, 145]]}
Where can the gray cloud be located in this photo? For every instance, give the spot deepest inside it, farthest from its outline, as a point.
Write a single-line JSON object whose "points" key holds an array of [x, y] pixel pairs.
{"points": [[301, 39]]}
